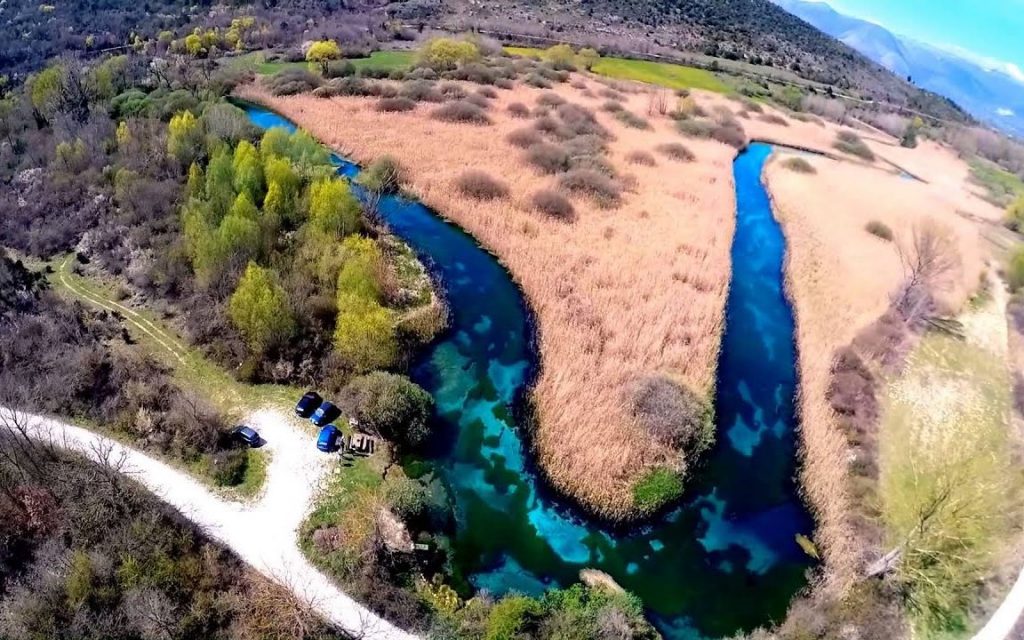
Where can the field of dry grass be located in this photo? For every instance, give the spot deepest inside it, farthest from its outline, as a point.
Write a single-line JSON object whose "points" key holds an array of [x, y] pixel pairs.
{"points": [[620, 294]]}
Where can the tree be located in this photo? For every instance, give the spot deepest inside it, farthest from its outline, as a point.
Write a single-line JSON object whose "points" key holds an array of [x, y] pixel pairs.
{"points": [[220, 183], [392, 406], [930, 264], [248, 171], [275, 142], [1015, 214], [239, 236], [560, 55], [364, 334], [442, 54], [184, 138], [359, 274], [279, 170], [1015, 270], [332, 207], [321, 52], [588, 57], [909, 138], [259, 309], [196, 185]]}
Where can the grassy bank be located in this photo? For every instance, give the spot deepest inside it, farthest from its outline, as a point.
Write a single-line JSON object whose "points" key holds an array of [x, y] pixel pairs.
{"points": [[1001, 186], [388, 60]]}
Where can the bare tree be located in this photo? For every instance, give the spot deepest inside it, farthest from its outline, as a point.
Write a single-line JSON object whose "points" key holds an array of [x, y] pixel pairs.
{"points": [[930, 265]]}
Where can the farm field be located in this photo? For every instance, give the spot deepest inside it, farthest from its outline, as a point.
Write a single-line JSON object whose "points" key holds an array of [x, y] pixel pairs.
{"points": [[388, 60]]}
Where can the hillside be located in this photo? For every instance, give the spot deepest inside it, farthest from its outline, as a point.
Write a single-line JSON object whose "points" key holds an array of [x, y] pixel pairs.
{"points": [[988, 94], [753, 31]]}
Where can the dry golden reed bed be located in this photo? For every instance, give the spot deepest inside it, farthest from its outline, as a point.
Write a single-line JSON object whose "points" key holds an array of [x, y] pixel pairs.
{"points": [[619, 294]]}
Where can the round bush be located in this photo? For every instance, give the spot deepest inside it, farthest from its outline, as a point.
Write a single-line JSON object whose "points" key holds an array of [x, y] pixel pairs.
{"points": [[524, 138], [480, 185], [676, 151], [799, 165], [518, 110], [461, 111], [420, 91], [879, 229], [611, 106], [605, 191], [504, 83], [553, 204], [452, 91], [395, 104], [550, 99], [340, 69], [549, 158], [487, 92], [479, 101], [288, 82]]}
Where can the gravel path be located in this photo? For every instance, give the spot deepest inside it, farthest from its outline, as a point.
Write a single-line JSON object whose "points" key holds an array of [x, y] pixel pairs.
{"points": [[263, 533]]}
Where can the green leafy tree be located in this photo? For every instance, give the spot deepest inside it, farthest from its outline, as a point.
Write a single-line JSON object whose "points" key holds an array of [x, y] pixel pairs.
{"points": [[184, 138], [321, 52], [196, 185], [244, 208], [279, 170], [194, 45], [446, 53], [44, 91], [360, 270], [1015, 271], [560, 55], [239, 239], [259, 309], [220, 181], [392, 406], [364, 335], [276, 204], [588, 57], [512, 617], [248, 171], [332, 207], [1015, 214], [276, 141]]}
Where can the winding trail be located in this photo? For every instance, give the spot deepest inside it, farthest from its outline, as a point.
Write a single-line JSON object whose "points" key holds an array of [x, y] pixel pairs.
{"points": [[263, 533]]}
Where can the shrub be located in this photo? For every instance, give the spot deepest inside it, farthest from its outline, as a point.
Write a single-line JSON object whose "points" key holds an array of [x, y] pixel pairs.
{"points": [[612, 94], [550, 99], [288, 82], [657, 488], [580, 120], [518, 110], [774, 118], [612, 106], [553, 204], [676, 151], [547, 124], [479, 101], [631, 119], [730, 133], [605, 191], [391, 406], [340, 69], [461, 111], [879, 229], [800, 165], [537, 80], [851, 143], [396, 74], [585, 145], [504, 83], [452, 91], [227, 468], [673, 414], [807, 117], [694, 128], [480, 185], [1015, 270], [384, 175], [549, 158], [487, 92], [524, 138], [751, 105], [395, 104], [474, 72], [642, 158], [420, 91], [343, 87]]}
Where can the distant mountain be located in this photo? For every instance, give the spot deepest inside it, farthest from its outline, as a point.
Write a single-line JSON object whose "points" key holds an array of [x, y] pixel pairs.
{"points": [[989, 94]]}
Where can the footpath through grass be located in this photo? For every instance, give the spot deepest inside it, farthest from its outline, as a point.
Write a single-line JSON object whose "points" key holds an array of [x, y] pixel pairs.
{"points": [[664, 74], [948, 489]]}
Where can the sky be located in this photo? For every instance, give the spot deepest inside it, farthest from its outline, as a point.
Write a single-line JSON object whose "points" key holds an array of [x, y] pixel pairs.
{"points": [[990, 31]]}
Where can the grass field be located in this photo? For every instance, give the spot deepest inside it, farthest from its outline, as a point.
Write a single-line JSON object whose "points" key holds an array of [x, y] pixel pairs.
{"points": [[664, 74], [1001, 186], [948, 487], [378, 59]]}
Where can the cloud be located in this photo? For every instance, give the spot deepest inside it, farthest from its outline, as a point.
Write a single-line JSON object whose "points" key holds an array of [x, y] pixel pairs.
{"points": [[986, 62], [1004, 112]]}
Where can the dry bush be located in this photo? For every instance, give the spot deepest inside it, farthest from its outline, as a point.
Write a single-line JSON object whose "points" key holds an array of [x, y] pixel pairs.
{"points": [[612, 94], [451, 91], [504, 83], [730, 133], [672, 413], [487, 92], [774, 118], [420, 91], [752, 105], [479, 101], [578, 83], [642, 158], [548, 125], [473, 72], [695, 128], [291, 81], [879, 229], [800, 165], [480, 185], [605, 191], [611, 106], [524, 138], [518, 110], [395, 105], [344, 87], [851, 143], [553, 204], [549, 158], [807, 117], [676, 151], [537, 80], [461, 112], [657, 103], [580, 120], [550, 99], [585, 145], [631, 120]]}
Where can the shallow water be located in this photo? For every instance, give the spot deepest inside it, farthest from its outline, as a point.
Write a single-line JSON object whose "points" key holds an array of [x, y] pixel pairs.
{"points": [[726, 558]]}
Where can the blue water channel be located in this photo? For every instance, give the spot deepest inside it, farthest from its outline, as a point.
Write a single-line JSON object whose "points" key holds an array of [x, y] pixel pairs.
{"points": [[724, 559]]}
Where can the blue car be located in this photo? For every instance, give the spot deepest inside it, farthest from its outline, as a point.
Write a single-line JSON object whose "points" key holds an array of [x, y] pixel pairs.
{"points": [[248, 435], [328, 439], [308, 404], [324, 414]]}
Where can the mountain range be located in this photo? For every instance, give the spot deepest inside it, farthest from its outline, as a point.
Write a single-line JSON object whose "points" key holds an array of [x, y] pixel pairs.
{"points": [[989, 94]]}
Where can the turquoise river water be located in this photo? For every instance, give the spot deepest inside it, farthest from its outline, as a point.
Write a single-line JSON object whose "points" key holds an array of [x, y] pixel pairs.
{"points": [[725, 558]]}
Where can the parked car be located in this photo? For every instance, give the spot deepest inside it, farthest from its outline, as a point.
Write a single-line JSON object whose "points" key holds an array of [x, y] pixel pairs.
{"points": [[328, 439], [324, 414], [308, 404], [247, 434]]}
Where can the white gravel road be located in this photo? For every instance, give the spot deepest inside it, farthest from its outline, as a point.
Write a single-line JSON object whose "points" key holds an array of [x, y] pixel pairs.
{"points": [[263, 533]]}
